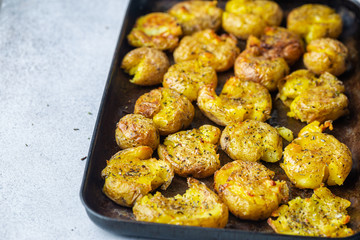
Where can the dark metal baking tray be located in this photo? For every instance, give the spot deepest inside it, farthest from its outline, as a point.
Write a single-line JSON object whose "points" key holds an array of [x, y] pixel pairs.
{"points": [[119, 99]]}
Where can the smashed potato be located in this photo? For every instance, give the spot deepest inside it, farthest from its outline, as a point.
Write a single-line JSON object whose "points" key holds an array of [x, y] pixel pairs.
{"points": [[188, 77], [195, 16], [248, 190], [249, 17], [148, 65], [132, 173], [326, 55], [239, 100], [313, 21], [192, 152], [251, 141], [212, 50], [157, 30], [199, 206], [169, 110], [322, 215], [315, 157]]}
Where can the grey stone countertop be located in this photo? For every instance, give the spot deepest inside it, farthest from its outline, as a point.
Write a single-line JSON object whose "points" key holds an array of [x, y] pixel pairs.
{"points": [[55, 56]]}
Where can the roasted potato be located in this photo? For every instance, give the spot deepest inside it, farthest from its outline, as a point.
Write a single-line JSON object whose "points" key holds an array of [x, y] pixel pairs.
{"points": [[192, 152], [148, 65], [315, 157], [199, 206], [195, 16], [313, 21], [251, 141], [132, 173], [135, 130], [212, 50], [326, 55], [248, 190], [239, 100], [249, 17], [169, 110], [157, 30], [322, 215], [188, 77]]}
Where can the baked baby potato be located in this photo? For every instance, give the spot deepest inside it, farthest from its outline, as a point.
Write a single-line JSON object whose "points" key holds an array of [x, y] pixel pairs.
{"points": [[315, 158], [313, 21], [249, 17], [188, 77], [238, 100], [248, 190], [148, 65], [169, 110], [212, 50], [199, 206], [322, 215], [158, 30], [192, 152], [195, 16], [251, 140], [132, 173]]}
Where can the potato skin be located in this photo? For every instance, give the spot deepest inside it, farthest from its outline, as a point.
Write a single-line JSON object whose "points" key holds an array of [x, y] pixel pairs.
{"points": [[248, 190], [251, 141], [192, 152], [195, 16], [132, 173], [188, 77], [239, 100], [148, 65], [199, 206], [135, 130], [212, 50], [169, 110], [326, 55], [313, 21], [157, 30]]}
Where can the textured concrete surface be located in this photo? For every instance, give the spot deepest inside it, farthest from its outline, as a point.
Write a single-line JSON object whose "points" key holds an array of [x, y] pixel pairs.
{"points": [[54, 60]]}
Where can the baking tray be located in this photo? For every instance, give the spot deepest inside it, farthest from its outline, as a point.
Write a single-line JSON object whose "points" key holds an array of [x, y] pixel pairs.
{"points": [[119, 98]]}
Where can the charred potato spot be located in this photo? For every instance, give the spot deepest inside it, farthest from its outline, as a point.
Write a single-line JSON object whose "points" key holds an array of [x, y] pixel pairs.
{"points": [[132, 173], [148, 65], [210, 49], [135, 130], [199, 206], [251, 141], [157, 30], [195, 16], [322, 215], [313, 21], [192, 152], [248, 190]]}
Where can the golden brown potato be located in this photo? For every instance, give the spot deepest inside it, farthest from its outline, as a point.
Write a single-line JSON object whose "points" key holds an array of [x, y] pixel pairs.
{"points": [[212, 50], [132, 173], [157, 30], [251, 141], [188, 77], [322, 215], [248, 190], [192, 152], [313, 21], [197, 15], [326, 55], [148, 65], [169, 110], [239, 100], [315, 157], [198, 206], [249, 17], [135, 130]]}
